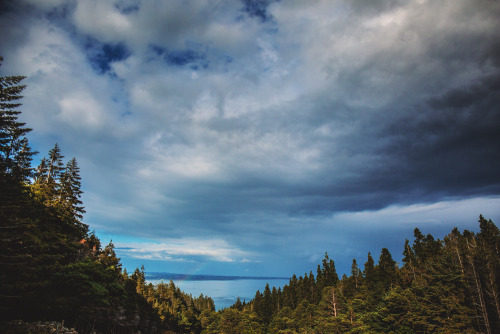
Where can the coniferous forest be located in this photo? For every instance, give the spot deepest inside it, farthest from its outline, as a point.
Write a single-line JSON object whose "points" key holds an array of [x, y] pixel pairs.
{"points": [[55, 268]]}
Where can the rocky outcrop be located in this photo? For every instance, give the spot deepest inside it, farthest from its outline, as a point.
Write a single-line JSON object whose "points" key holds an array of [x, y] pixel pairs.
{"points": [[39, 327]]}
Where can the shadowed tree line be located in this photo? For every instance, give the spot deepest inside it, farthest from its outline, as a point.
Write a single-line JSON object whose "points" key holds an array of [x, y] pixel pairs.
{"points": [[53, 268], [443, 286]]}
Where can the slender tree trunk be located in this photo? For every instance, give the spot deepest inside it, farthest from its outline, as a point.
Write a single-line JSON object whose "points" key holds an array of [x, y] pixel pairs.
{"points": [[479, 290], [460, 261], [411, 264], [466, 280], [50, 168], [481, 299], [334, 303], [494, 291]]}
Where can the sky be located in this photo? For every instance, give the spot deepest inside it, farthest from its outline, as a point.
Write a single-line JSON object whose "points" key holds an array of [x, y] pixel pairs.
{"points": [[250, 137]]}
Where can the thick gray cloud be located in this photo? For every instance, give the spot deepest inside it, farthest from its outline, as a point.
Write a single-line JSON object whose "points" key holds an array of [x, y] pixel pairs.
{"points": [[262, 126]]}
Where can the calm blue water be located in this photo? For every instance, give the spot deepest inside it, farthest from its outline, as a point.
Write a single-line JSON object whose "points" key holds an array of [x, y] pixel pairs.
{"points": [[222, 289]]}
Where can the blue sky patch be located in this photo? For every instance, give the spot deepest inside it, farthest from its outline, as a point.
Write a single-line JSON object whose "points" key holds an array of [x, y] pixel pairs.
{"points": [[101, 55], [258, 9], [195, 59]]}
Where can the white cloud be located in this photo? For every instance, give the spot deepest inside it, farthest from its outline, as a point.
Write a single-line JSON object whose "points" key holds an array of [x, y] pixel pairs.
{"points": [[185, 250], [102, 20], [460, 212], [81, 109]]}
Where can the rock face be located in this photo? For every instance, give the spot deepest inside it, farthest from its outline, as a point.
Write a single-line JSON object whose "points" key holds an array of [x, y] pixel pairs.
{"points": [[39, 327]]}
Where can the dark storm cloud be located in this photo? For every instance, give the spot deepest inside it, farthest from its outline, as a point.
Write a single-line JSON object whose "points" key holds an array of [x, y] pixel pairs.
{"points": [[454, 147], [256, 124]]}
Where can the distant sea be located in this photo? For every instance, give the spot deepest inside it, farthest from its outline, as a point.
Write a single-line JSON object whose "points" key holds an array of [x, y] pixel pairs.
{"points": [[224, 290]]}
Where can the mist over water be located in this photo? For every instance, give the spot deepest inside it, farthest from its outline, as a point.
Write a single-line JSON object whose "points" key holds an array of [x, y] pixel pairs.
{"points": [[224, 290]]}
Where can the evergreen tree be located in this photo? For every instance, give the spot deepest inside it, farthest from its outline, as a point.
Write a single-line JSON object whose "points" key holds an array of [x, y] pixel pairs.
{"points": [[55, 169], [408, 273], [109, 259], [320, 283], [489, 259], [47, 185], [41, 172], [369, 270], [59, 187], [231, 322], [238, 305], [258, 305], [267, 306], [275, 299], [386, 270], [70, 191], [290, 293], [56, 165], [355, 273], [15, 153], [139, 278], [425, 247], [329, 272]]}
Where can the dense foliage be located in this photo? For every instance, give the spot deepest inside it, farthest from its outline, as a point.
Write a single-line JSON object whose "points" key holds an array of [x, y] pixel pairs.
{"points": [[443, 286], [53, 268]]}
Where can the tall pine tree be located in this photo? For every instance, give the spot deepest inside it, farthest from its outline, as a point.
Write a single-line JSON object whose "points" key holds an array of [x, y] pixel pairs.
{"points": [[15, 153], [70, 193]]}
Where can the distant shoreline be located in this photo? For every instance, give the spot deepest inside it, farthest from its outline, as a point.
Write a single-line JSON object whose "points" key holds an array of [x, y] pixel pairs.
{"points": [[190, 277]]}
